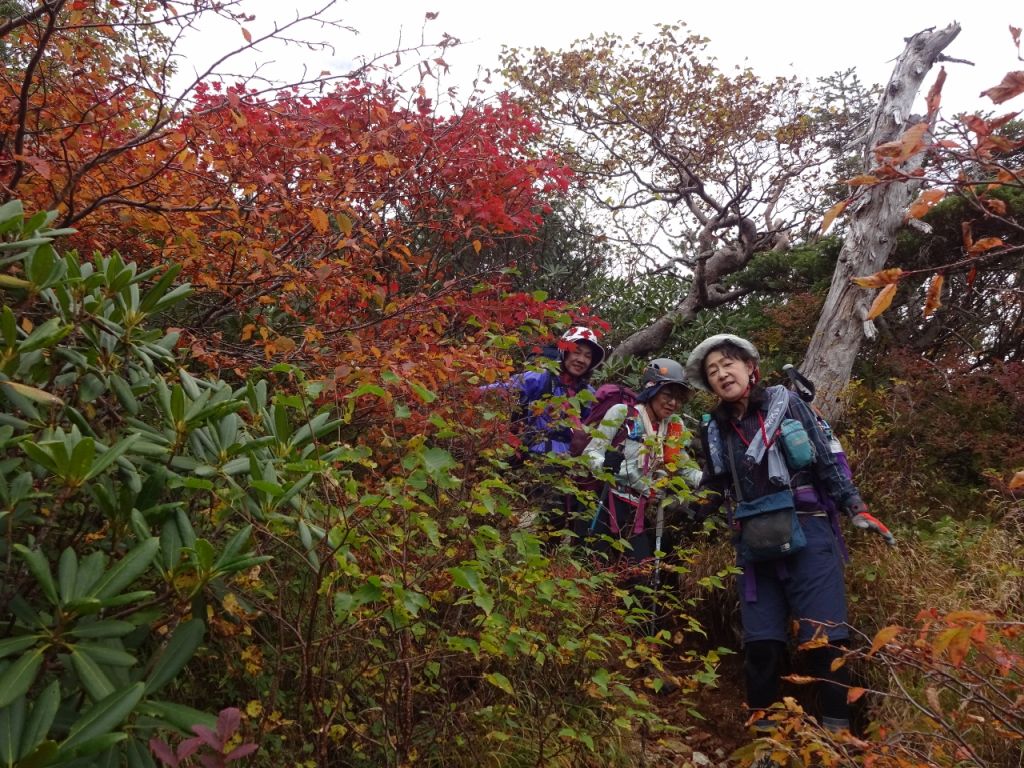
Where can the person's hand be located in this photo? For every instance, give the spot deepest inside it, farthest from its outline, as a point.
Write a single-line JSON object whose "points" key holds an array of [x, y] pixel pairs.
{"points": [[613, 461], [863, 519]]}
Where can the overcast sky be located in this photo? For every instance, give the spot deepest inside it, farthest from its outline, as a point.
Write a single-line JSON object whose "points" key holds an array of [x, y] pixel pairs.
{"points": [[808, 39]]}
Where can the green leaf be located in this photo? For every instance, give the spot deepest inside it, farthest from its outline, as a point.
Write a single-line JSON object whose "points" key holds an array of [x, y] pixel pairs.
{"points": [[177, 715], [126, 570], [12, 720], [34, 394], [44, 710], [11, 645], [498, 680], [67, 573], [103, 717], [104, 654], [39, 568], [422, 392], [94, 679], [111, 455], [90, 568], [18, 677], [176, 654], [159, 289], [366, 389], [467, 578], [103, 628], [9, 281]]}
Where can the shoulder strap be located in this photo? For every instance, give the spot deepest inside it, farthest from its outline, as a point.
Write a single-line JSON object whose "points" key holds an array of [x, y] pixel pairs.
{"points": [[620, 434], [732, 468]]}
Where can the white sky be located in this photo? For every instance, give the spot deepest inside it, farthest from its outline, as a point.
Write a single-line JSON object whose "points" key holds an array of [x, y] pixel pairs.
{"points": [[807, 38]]}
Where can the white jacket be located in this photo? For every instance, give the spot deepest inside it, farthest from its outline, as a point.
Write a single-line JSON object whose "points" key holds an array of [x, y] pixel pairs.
{"points": [[643, 451]]}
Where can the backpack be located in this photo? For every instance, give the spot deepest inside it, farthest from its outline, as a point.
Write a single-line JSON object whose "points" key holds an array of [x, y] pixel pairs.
{"points": [[608, 395]]}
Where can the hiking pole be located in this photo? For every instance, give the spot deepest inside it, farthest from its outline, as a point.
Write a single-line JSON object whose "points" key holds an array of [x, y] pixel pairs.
{"points": [[659, 530], [800, 383], [600, 505]]}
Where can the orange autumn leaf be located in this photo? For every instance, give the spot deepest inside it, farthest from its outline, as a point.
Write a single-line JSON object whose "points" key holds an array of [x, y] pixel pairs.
{"points": [[932, 300], [971, 275], [909, 144], [960, 617], [883, 636], [882, 301], [319, 220], [862, 180], [924, 203], [998, 207], [985, 244], [1011, 85], [879, 279], [832, 214], [854, 693], [935, 92], [968, 237], [1017, 481]]}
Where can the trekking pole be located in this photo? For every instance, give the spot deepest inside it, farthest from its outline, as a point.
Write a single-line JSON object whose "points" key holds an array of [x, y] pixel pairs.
{"points": [[659, 530], [600, 505], [800, 383]]}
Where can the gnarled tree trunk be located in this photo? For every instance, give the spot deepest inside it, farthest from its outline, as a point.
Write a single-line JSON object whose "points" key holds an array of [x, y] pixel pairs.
{"points": [[871, 236]]}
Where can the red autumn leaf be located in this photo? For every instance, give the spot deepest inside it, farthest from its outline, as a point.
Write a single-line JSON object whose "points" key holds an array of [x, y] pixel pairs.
{"points": [[1015, 34], [879, 279], [246, 35], [832, 214], [998, 122], [976, 124], [1012, 84], [855, 693], [881, 302], [39, 165], [932, 300]]}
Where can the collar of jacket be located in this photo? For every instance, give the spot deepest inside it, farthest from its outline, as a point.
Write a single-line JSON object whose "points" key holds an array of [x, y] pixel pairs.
{"points": [[758, 401]]}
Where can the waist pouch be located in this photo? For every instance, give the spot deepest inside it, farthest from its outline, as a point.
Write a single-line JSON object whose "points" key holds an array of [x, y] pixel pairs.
{"points": [[769, 528], [796, 444]]}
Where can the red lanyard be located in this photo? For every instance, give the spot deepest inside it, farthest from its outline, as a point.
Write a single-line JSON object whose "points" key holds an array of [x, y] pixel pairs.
{"points": [[764, 434]]}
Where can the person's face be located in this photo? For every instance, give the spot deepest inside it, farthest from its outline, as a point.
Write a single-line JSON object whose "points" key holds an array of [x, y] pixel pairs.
{"points": [[670, 398], [578, 359], [728, 377]]}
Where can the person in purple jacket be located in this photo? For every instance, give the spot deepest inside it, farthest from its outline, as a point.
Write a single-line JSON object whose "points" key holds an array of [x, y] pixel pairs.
{"points": [[766, 451], [545, 415]]}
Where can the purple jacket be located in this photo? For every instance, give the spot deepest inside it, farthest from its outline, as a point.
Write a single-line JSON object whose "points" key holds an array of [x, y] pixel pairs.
{"points": [[542, 431]]}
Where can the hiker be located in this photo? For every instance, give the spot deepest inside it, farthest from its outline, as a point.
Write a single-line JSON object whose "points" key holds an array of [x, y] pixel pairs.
{"points": [[766, 451], [639, 443], [545, 427]]}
